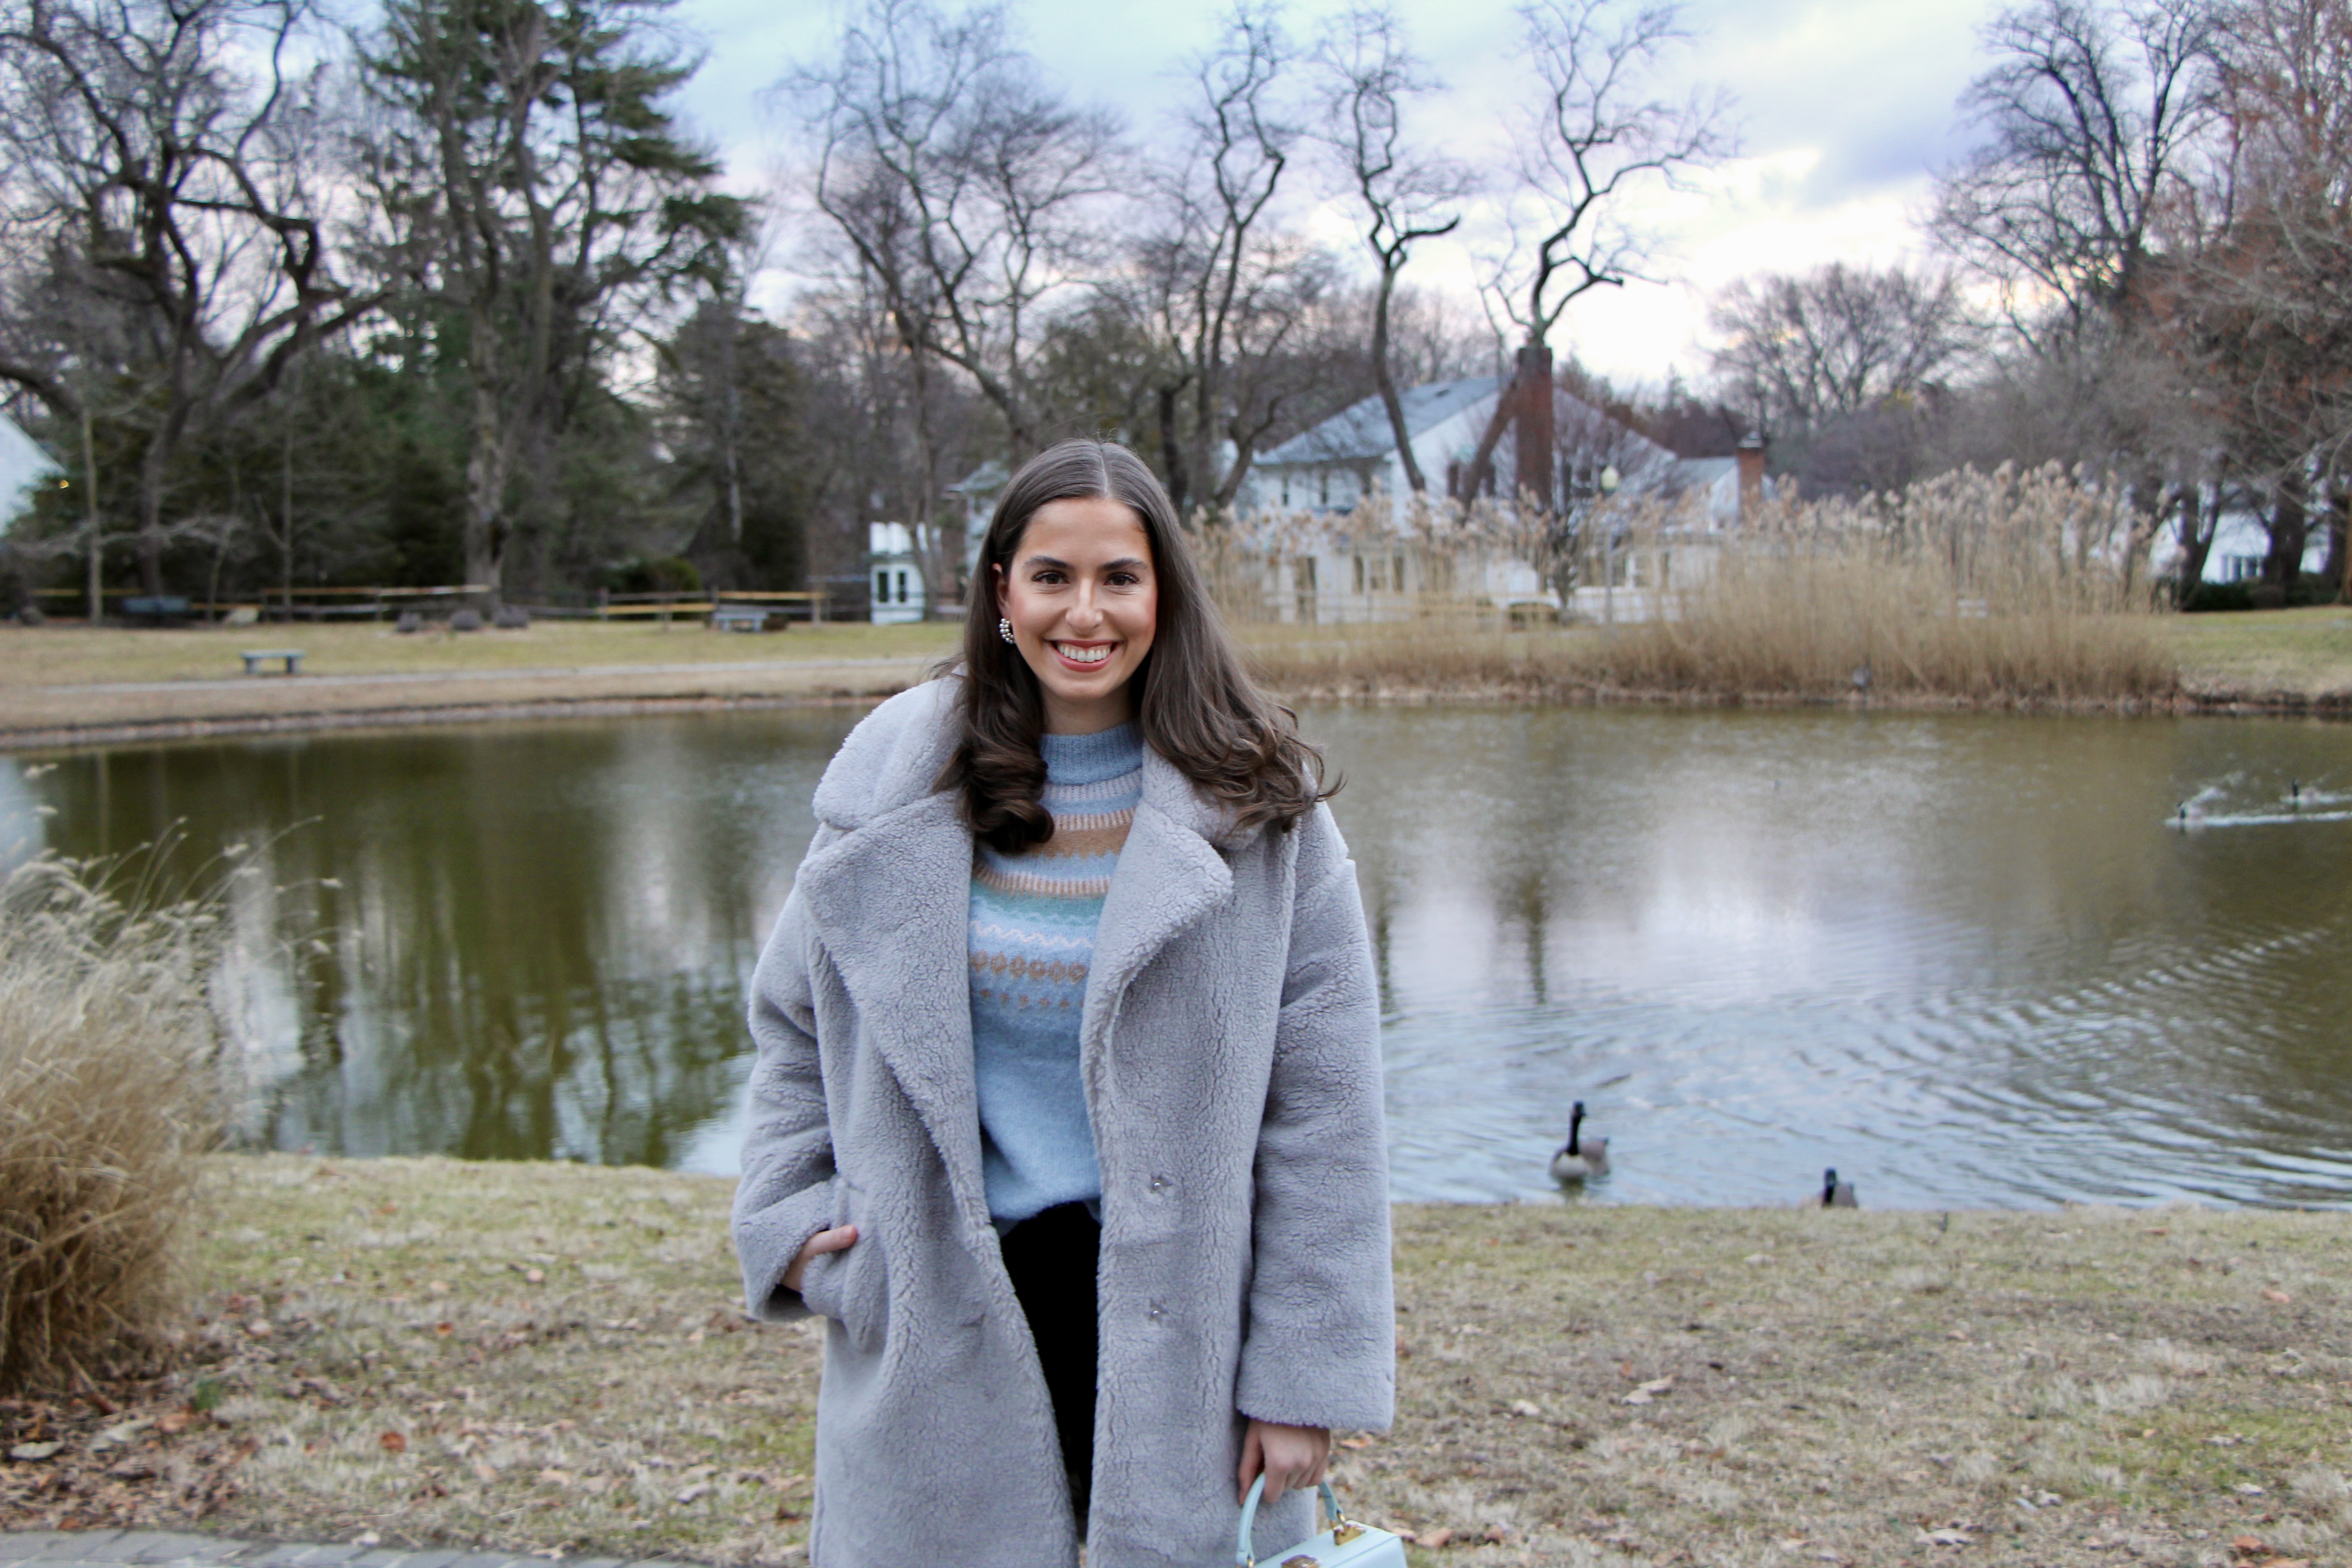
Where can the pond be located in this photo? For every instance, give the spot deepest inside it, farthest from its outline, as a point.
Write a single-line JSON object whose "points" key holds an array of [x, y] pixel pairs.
{"points": [[1968, 960]]}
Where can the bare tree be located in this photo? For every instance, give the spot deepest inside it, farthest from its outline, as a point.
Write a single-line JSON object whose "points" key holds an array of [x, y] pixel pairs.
{"points": [[1224, 288], [159, 174], [962, 184], [1596, 132], [2092, 114], [1798, 351], [1402, 195]]}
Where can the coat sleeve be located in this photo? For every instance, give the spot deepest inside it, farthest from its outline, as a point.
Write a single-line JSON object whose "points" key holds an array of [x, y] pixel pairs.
{"points": [[786, 1193], [1319, 1348]]}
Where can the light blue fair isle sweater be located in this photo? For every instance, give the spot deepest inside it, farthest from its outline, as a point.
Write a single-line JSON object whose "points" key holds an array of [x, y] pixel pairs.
{"points": [[1033, 938]]}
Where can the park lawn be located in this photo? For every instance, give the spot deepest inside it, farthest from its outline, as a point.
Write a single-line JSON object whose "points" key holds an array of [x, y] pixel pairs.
{"points": [[73, 654], [551, 1358], [2304, 653]]}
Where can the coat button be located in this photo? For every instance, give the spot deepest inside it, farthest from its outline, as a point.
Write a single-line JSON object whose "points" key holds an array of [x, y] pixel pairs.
{"points": [[1160, 1184], [1155, 1312]]}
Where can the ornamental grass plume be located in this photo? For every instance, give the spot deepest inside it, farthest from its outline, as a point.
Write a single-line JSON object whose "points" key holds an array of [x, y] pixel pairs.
{"points": [[112, 1088]]}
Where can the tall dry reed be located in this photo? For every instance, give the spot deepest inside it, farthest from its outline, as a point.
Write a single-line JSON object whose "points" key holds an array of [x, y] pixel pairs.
{"points": [[2002, 587], [112, 1088]]}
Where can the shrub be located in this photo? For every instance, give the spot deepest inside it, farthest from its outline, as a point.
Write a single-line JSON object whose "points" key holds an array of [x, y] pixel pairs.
{"points": [[113, 1086]]}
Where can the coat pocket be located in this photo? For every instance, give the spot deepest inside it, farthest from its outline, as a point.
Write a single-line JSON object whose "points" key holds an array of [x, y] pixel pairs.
{"points": [[852, 1286]]}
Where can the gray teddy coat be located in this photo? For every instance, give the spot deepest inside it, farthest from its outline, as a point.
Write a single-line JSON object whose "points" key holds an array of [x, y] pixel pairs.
{"points": [[1230, 1049]]}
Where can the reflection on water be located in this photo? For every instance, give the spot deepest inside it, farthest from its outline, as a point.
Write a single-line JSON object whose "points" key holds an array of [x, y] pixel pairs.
{"points": [[1965, 958]]}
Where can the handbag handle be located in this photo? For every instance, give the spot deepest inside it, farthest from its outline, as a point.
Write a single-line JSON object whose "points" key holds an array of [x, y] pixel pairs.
{"points": [[1243, 1556]]}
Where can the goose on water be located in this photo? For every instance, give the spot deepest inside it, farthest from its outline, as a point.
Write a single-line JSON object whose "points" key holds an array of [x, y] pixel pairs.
{"points": [[1837, 1194], [1580, 1156]]}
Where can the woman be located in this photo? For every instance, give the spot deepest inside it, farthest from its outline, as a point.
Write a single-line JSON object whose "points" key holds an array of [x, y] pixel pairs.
{"points": [[1068, 1107]]}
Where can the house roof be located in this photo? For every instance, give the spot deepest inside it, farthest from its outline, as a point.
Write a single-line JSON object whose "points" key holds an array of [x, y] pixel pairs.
{"points": [[1361, 432]]}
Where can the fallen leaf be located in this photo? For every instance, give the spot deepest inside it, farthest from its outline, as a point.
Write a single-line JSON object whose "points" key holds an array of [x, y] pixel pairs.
{"points": [[444, 1329], [438, 1287], [1497, 1535], [555, 1478], [2285, 1562], [259, 1329], [1946, 1537], [2248, 1545], [393, 1443], [2248, 1488], [485, 1472], [2281, 1296], [31, 1451], [1524, 1407], [367, 1538], [1355, 1442], [1436, 1538], [698, 1490], [1960, 1334], [173, 1423], [121, 1434], [1649, 1392], [535, 1276], [2160, 1230]]}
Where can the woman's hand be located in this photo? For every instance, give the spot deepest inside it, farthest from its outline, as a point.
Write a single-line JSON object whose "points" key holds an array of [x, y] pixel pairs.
{"points": [[1290, 1456], [837, 1239]]}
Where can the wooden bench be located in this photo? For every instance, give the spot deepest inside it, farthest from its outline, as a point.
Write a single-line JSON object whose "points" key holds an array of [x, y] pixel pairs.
{"points": [[255, 658], [162, 608], [739, 618]]}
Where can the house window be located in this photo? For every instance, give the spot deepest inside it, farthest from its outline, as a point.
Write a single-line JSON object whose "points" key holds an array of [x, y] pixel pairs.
{"points": [[1285, 492], [1396, 576], [902, 587], [881, 587], [1359, 572], [1323, 478]]}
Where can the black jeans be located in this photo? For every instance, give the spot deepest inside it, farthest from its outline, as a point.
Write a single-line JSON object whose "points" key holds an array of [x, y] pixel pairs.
{"points": [[1051, 1256]]}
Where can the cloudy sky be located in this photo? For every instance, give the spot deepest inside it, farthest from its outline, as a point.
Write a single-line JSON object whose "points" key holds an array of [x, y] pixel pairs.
{"points": [[1843, 107]]}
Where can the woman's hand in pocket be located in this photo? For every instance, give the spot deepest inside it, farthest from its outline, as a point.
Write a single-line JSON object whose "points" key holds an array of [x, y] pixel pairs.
{"points": [[837, 1239]]}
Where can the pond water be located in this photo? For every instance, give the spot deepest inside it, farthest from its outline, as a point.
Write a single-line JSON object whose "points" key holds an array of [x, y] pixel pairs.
{"points": [[1968, 960]]}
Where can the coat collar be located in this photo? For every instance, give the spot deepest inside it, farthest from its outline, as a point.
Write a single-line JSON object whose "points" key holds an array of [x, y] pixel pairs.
{"points": [[890, 899]]}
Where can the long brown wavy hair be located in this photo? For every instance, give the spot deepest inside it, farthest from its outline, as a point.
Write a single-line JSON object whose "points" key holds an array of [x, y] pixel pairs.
{"points": [[1195, 703]]}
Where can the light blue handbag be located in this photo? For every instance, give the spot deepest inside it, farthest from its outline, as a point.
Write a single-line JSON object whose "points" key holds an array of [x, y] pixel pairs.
{"points": [[1346, 1544]]}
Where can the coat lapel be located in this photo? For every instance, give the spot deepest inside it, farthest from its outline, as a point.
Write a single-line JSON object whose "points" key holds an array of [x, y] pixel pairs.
{"points": [[891, 902], [1168, 875]]}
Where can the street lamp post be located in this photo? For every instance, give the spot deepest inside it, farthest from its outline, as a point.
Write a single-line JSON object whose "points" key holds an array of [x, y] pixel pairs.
{"points": [[1610, 480]]}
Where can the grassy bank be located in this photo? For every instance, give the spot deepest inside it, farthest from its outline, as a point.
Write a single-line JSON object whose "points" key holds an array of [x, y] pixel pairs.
{"points": [[57, 684], [549, 1358]]}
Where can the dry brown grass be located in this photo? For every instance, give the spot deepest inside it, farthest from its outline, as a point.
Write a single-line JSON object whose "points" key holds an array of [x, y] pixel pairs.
{"points": [[1981, 588], [110, 1094], [545, 1357]]}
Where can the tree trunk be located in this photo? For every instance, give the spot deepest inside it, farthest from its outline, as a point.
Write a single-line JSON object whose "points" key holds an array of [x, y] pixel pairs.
{"points": [[1172, 450], [2290, 529], [2195, 530], [1386, 381], [1534, 438], [486, 487]]}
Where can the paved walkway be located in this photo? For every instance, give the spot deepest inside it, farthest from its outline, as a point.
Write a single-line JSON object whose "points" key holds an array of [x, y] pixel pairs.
{"points": [[444, 677], [155, 1549]]}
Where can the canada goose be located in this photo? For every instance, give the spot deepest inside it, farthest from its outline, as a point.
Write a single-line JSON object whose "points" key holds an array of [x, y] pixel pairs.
{"points": [[1580, 1156], [1837, 1194]]}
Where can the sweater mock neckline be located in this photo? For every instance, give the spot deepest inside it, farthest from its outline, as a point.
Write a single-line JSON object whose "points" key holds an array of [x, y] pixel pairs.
{"points": [[1092, 759]]}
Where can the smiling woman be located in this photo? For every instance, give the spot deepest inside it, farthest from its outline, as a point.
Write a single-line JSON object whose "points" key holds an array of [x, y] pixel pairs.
{"points": [[1068, 1113]]}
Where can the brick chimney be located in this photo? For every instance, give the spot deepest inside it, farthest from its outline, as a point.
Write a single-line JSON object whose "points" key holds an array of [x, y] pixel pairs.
{"points": [[1751, 475]]}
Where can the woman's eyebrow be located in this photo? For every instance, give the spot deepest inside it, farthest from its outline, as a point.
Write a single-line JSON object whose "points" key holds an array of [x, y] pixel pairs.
{"points": [[1053, 560]]}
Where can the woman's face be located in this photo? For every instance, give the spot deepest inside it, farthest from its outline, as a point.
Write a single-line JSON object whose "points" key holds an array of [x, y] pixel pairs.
{"points": [[1084, 603]]}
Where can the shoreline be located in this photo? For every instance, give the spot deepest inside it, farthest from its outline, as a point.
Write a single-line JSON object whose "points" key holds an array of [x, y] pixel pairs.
{"points": [[51, 735]]}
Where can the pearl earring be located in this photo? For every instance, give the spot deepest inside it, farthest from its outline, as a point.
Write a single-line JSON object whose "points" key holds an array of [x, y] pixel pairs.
{"points": [[1004, 629]]}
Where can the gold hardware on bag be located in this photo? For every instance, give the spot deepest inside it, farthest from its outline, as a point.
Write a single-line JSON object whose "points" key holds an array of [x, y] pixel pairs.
{"points": [[1343, 1533], [1301, 1561]]}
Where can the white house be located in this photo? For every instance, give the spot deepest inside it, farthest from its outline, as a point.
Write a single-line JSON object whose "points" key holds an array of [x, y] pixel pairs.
{"points": [[1327, 471], [23, 464], [898, 589]]}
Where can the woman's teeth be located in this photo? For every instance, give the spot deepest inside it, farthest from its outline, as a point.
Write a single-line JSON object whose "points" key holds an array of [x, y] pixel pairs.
{"points": [[1081, 655]]}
